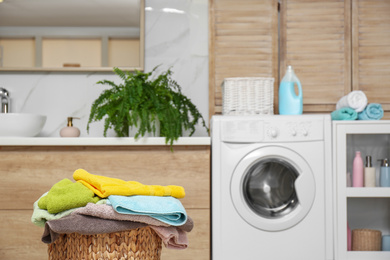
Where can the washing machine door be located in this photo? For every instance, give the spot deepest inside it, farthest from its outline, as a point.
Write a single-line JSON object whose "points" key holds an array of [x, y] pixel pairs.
{"points": [[273, 188]]}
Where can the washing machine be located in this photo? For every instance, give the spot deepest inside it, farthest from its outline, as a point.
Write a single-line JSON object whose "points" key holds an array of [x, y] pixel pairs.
{"points": [[271, 191]]}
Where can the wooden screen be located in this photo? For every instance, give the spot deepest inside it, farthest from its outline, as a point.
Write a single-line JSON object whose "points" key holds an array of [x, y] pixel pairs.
{"points": [[371, 49], [243, 43], [315, 40]]}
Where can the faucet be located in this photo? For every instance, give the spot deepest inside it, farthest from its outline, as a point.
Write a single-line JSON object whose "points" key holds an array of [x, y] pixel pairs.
{"points": [[4, 95]]}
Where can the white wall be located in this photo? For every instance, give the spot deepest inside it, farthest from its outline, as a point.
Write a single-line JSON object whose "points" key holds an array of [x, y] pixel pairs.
{"points": [[176, 37]]}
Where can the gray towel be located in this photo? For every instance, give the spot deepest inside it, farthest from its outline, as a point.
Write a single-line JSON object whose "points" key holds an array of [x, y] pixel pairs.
{"points": [[84, 225]]}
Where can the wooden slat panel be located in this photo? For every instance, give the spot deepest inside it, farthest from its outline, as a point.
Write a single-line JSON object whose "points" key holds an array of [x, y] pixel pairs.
{"points": [[243, 43], [28, 172], [198, 239], [371, 55], [315, 40]]}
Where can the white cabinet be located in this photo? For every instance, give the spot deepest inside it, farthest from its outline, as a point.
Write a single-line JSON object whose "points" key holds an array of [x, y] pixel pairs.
{"points": [[359, 207]]}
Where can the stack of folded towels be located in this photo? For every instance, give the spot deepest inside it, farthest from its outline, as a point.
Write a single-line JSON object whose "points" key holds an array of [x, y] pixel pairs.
{"points": [[97, 204], [354, 107]]}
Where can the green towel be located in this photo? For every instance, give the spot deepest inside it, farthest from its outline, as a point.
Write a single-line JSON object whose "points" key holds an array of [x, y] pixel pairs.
{"points": [[345, 113], [65, 195], [40, 216]]}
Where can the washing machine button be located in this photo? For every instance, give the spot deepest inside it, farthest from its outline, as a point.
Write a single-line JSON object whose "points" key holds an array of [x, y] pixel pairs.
{"points": [[293, 132], [273, 132]]}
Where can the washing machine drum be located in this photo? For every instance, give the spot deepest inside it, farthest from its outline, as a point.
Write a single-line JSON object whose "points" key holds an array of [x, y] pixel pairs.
{"points": [[273, 188], [269, 188]]}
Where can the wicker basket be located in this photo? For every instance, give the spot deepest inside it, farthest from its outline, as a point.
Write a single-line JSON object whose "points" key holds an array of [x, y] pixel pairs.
{"points": [[248, 96], [142, 243], [366, 240]]}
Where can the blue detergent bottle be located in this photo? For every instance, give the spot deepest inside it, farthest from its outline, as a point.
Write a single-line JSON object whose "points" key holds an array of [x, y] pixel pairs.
{"points": [[289, 102]]}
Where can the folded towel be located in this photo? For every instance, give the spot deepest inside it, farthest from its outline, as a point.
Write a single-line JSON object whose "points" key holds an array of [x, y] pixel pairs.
{"points": [[108, 212], [40, 216], [373, 111], [356, 100], [84, 225], [345, 113], [166, 209], [172, 237], [106, 186], [65, 195]]}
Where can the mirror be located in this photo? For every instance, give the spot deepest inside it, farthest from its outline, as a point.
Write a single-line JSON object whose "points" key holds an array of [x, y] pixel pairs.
{"points": [[71, 35]]}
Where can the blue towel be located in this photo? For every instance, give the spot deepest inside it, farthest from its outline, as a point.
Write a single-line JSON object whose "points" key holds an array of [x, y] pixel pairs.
{"points": [[373, 111], [345, 113], [166, 209]]}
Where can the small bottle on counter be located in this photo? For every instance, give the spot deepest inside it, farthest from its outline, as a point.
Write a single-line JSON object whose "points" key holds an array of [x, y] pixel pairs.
{"points": [[70, 130], [357, 174], [369, 173]]}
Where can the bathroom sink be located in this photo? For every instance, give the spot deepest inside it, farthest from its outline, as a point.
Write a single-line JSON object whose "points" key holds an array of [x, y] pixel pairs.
{"points": [[21, 124]]}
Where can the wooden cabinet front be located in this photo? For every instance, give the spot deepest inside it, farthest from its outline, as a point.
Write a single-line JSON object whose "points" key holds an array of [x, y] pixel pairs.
{"points": [[28, 172]]}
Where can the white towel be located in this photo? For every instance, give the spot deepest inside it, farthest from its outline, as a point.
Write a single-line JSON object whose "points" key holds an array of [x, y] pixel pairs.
{"points": [[356, 100]]}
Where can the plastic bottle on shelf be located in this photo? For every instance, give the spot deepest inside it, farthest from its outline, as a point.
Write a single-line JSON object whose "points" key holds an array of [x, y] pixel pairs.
{"points": [[385, 173], [369, 173], [289, 102], [357, 175]]}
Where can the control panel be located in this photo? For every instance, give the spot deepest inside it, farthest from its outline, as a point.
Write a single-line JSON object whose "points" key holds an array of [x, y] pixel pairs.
{"points": [[252, 129]]}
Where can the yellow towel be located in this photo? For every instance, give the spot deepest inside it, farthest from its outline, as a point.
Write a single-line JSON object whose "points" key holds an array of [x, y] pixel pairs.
{"points": [[106, 186]]}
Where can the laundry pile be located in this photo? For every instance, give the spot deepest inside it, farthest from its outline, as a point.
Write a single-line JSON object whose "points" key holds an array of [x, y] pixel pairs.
{"points": [[97, 205], [354, 106]]}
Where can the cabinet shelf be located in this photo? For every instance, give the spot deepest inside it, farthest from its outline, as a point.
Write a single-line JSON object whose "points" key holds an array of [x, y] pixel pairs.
{"points": [[365, 255], [375, 192]]}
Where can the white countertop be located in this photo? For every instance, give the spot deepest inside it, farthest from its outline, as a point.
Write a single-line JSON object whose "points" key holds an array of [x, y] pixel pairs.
{"points": [[98, 141]]}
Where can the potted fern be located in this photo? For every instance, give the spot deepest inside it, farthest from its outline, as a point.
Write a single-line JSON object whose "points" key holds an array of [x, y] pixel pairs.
{"points": [[143, 102]]}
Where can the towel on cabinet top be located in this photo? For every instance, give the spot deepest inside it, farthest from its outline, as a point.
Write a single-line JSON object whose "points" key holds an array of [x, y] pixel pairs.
{"points": [[356, 100], [105, 186], [373, 111]]}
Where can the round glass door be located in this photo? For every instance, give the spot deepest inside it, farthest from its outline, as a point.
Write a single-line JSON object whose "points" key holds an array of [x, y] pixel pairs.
{"points": [[272, 188], [269, 188]]}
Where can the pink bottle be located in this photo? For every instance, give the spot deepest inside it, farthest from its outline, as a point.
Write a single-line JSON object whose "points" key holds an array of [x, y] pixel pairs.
{"points": [[358, 168]]}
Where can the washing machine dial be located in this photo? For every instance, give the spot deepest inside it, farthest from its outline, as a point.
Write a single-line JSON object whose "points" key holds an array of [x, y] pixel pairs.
{"points": [[273, 132], [293, 132]]}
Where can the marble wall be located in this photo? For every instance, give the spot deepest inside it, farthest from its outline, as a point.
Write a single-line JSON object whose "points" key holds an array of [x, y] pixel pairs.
{"points": [[176, 37]]}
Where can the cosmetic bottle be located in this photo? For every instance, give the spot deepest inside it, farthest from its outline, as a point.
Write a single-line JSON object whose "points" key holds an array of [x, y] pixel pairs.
{"points": [[369, 173], [70, 130], [357, 174], [384, 178]]}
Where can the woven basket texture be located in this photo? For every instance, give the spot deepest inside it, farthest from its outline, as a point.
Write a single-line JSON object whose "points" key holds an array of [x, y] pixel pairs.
{"points": [[248, 96], [366, 240], [138, 244]]}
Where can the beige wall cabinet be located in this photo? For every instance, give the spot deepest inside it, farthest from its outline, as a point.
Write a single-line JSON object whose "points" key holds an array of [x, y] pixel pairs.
{"points": [[28, 172]]}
